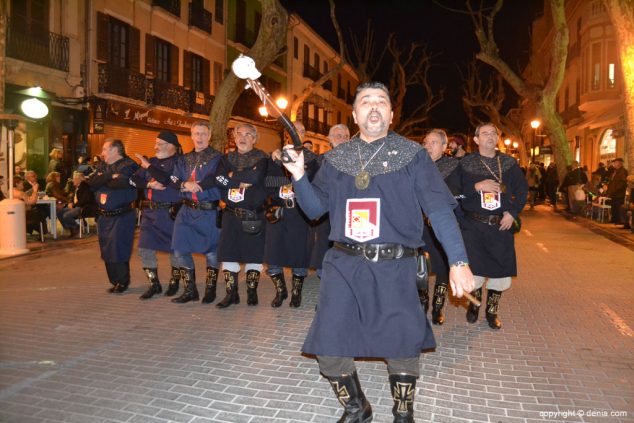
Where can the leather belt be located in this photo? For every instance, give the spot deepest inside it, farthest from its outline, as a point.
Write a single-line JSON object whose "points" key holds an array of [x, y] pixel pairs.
{"points": [[244, 214], [489, 219], [147, 204], [114, 212], [376, 252], [201, 205]]}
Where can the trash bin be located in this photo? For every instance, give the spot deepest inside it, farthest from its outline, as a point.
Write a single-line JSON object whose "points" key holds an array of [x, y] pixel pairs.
{"points": [[12, 227]]}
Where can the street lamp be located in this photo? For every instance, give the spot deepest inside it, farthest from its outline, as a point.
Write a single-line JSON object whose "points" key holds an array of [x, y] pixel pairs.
{"points": [[534, 124], [507, 142], [282, 103]]}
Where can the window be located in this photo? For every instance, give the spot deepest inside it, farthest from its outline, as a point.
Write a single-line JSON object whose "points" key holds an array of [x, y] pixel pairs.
{"points": [[611, 65], [566, 98], [306, 55], [317, 61], [220, 11], [218, 75], [295, 48], [339, 117], [197, 73], [119, 40], [325, 67], [30, 16], [596, 66], [162, 54]]}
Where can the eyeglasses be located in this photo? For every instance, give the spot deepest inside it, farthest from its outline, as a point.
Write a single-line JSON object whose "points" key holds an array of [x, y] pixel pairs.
{"points": [[492, 134], [244, 135]]}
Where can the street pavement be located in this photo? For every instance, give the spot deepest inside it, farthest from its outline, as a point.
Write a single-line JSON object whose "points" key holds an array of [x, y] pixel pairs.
{"points": [[70, 352]]}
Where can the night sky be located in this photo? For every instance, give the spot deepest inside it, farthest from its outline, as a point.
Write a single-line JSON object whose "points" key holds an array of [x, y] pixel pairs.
{"points": [[449, 37]]}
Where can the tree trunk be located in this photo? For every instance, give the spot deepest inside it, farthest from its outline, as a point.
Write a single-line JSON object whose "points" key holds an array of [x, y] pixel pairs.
{"points": [[3, 38], [622, 14], [271, 40]]}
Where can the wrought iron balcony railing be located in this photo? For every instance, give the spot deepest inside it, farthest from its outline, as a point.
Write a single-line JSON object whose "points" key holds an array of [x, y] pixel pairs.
{"points": [[199, 17], [316, 126], [121, 81], [200, 102], [170, 95], [172, 6], [311, 72], [42, 47]]}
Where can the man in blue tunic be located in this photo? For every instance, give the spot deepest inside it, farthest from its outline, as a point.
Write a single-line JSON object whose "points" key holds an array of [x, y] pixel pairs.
{"points": [[157, 224], [495, 192], [195, 228], [111, 184], [374, 188]]}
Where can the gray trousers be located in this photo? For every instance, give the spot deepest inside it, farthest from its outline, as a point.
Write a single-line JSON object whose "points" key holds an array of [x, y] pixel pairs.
{"points": [[331, 366]]}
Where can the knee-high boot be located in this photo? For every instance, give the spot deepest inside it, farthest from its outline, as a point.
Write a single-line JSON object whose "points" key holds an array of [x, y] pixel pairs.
{"points": [[348, 391], [296, 291], [437, 316], [155, 285], [190, 292], [423, 296], [493, 302], [473, 310], [172, 287], [280, 290], [231, 283], [210, 285], [253, 279], [403, 388]]}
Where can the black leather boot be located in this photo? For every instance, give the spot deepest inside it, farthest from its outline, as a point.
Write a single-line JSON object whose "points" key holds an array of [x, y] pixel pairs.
{"points": [[280, 288], [231, 283], [172, 287], [210, 285], [155, 285], [423, 296], [296, 291], [437, 316], [253, 279], [348, 391], [493, 302], [121, 282], [403, 388], [190, 292], [473, 310]]}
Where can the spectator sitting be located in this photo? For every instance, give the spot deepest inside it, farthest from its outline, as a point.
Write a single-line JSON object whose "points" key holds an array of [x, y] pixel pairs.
{"points": [[33, 216], [82, 199]]}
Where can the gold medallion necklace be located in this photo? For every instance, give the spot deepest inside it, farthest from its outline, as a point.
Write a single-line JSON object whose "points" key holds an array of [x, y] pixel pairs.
{"points": [[362, 180]]}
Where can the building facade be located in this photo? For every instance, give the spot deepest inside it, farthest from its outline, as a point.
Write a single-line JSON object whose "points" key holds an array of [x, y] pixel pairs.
{"points": [[590, 99]]}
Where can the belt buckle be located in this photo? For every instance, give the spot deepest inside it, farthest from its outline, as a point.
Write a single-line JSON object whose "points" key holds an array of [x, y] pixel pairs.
{"points": [[289, 203], [493, 220], [373, 259]]}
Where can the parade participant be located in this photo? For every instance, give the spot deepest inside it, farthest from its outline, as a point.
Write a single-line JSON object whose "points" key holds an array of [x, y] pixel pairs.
{"points": [[194, 227], [240, 176], [495, 192], [435, 143], [288, 235], [338, 134], [111, 184], [374, 187], [157, 224]]}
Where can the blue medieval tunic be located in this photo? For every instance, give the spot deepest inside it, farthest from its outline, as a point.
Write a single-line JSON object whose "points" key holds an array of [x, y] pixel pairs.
{"points": [[236, 245], [371, 309], [195, 230], [156, 223], [289, 242], [115, 195], [491, 251]]}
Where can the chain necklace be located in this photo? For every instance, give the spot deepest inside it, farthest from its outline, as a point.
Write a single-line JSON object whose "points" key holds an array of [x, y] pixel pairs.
{"points": [[362, 180], [499, 179]]}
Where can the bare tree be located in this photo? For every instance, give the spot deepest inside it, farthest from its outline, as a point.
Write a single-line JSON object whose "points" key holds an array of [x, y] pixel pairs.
{"points": [[366, 57], [540, 92], [622, 15], [331, 72], [271, 41], [410, 72], [486, 97], [3, 37]]}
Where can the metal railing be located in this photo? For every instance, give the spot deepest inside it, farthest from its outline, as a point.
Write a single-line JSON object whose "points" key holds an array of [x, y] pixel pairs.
{"points": [[42, 47], [200, 17], [316, 126], [121, 81], [311, 72], [170, 95], [200, 102], [172, 6]]}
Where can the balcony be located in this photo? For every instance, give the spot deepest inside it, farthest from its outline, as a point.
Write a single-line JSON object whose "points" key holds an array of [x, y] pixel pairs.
{"points": [[245, 36], [169, 95], [200, 102], [316, 126], [199, 17], [42, 48], [120, 81], [311, 72], [172, 6]]}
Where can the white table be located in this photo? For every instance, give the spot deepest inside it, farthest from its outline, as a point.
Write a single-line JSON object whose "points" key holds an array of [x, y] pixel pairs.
{"points": [[52, 205]]}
